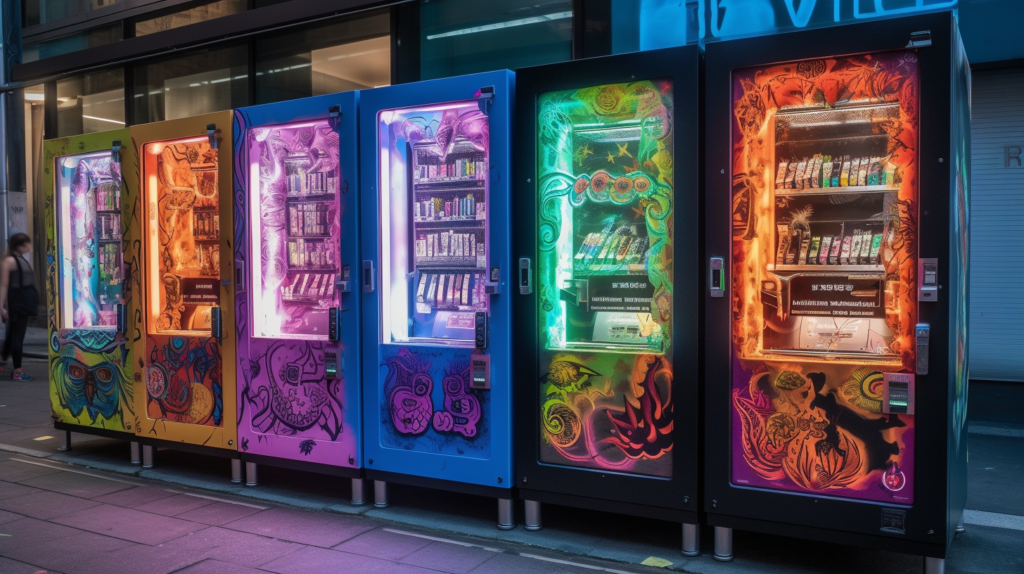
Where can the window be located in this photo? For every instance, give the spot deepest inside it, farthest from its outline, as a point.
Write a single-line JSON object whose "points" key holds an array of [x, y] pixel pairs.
{"points": [[91, 38], [466, 36], [90, 103], [189, 16], [44, 11], [200, 82], [352, 54]]}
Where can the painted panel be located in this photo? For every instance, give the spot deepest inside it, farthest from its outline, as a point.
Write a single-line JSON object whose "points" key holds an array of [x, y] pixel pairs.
{"points": [[90, 368], [824, 268]]}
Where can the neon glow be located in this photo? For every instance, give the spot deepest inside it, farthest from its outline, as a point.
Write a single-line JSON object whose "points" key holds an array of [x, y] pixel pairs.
{"points": [[605, 271], [89, 219], [294, 179], [824, 267], [432, 294]]}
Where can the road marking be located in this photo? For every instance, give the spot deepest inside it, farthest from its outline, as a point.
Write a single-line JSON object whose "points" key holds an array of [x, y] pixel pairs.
{"points": [[74, 471], [43, 438], [996, 431], [994, 519], [577, 564], [445, 540], [215, 499]]}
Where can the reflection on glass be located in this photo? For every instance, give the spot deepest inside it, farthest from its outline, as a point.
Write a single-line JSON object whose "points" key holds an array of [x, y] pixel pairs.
{"points": [[183, 235], [434, 166], [296, 230], [89, 220], [605, 180], [204, 80], [90, 103]]}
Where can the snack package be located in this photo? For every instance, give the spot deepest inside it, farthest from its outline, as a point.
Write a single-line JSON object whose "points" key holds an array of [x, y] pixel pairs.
{"points": [[792, 248], [862, 175], [812, 255], [798, 182], [816, 173], [826, 171], [889, 174], [805, 246], [837, 168], [865, 248], [876, 246], [833, 255], [844, 254], [806, 182], [784, 239], [875, 172], [791, 174], [855, 248], [854, 171], [844, 177], [780, 175], [826, 243]]}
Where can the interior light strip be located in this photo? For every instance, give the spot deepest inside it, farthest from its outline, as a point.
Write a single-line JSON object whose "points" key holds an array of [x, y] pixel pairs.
{"points": [[507, 24], [103, 120]]}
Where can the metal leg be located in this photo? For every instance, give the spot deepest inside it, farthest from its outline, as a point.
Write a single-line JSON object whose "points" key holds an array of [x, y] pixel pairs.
{"points": [[147, 456], [691, 539], [63, 440], [136, 452], [723, 544], [960, 528], [380, 494], [251, 478], [236, 470], [934, 565], [358, 492], [506, 514], [532, 519]]}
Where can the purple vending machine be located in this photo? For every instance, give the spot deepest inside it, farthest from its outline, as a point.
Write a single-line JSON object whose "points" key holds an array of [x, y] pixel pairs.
{"points": [[295, 244]]}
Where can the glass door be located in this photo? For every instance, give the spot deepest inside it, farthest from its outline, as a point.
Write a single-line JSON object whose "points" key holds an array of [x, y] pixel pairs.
{"points": [[434, 251], [89, 241], [182, 235], [824, 275], [294, 178]]}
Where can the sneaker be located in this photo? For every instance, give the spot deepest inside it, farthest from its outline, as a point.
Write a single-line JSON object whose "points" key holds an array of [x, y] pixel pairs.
{"points": [[20, 375]]}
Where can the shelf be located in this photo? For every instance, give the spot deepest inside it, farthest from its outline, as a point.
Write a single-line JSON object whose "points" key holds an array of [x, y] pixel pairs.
{"points": [[200, 240], [461, 183], [117, 211], [207, 209], [631, 269], [310, 302], [462, 223], [453, 268], [108, 241], [829, 268], [323, 270], [849, 190], [830, 139], [312, 197], [448, 260], [315, 237]]}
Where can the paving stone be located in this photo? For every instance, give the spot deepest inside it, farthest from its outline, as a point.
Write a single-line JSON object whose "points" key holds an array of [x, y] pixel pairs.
{"points": [[76, 484], [312, 559], [129, 524], [34, 542], [12, 489], [512, 564], [45, 505], [174, 505], [135, 497], [449, 557], [8, 566], [218, 513], [6, 517], [301, 526], [15, 471], [380, 543], [218, 567]]}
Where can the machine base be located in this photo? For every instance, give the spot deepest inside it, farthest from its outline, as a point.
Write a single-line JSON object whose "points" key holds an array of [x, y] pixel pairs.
{"points": [[381, 479], [723, 544], [691, 540]]}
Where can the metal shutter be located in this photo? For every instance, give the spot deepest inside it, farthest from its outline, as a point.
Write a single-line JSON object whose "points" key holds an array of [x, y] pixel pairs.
{"points": [[997, 228]]}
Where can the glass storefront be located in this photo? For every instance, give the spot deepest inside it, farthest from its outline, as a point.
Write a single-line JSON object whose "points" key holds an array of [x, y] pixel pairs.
{"points": [[196, 83]]}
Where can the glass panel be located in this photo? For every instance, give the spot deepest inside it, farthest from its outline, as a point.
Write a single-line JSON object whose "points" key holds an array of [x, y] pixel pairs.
{"points": [[824, 265], [460, 37], [44, 11], [183, 235], [351, 54], [89, 242], [91, 38], [605, 179], [90, 103], [294, 182], [200, 82], [188, 16], [434, 162]]}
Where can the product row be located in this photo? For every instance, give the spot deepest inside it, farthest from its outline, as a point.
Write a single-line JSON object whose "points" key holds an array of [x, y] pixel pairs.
{"points": [[309, 219], [302, 183], [456, 209], [311, 254], [826, 171], [458, 169], [109, 226], [310, 288], [461, 291], [206, 225], [448, 244], [862, 247], [611, 248], [108, 198]]}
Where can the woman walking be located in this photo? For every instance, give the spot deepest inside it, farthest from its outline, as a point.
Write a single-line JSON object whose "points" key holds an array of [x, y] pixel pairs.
{"points": [[19, 299]]}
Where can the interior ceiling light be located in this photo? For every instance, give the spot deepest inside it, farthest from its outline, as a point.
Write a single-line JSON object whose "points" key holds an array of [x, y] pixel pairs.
{"points": [[120, 123], [507, 24]]}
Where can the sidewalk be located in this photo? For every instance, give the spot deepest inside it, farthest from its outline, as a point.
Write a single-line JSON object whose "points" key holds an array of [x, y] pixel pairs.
{"points": [[88, 510]]}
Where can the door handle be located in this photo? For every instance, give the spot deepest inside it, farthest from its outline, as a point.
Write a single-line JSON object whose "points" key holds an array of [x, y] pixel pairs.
{"points": [[525, 276], [716, 277], [369, 277]]}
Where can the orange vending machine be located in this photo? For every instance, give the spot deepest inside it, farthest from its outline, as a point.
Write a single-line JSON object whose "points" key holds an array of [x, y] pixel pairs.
{"points": [[181, 312]]}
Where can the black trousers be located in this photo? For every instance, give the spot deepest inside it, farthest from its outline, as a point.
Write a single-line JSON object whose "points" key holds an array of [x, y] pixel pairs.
{"points": [[14, 341]]}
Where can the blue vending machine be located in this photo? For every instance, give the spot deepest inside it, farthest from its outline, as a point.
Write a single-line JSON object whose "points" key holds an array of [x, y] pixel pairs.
{"points": [[435, 284], [296, 244]]}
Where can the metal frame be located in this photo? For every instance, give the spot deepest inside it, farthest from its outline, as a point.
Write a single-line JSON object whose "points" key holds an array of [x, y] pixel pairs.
{"points": [[674, 499], [931, 520]]}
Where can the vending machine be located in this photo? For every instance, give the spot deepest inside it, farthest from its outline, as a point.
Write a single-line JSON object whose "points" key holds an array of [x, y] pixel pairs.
{"points": [[90, 360], [180, 324], [607, 336], [437, 390], [836, 306], [296, 244]]}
